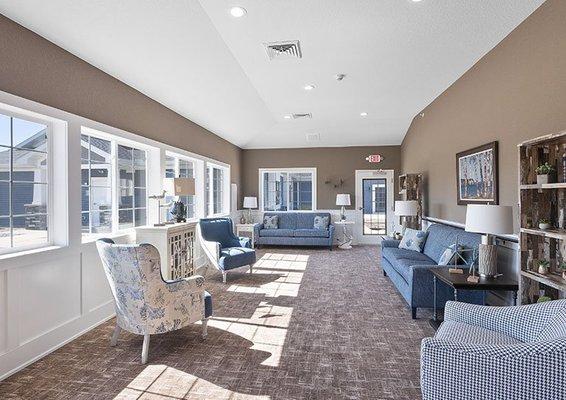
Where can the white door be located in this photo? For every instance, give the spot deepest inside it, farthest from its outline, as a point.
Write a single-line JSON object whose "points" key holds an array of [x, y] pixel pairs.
{"points": [[374, 205]]}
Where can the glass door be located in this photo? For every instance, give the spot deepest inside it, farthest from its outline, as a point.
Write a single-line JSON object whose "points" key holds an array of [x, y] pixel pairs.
{"points": [[374, 206]]}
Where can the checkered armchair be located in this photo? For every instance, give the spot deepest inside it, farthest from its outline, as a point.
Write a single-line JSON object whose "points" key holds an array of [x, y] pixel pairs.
{"points": [[492, 353]]}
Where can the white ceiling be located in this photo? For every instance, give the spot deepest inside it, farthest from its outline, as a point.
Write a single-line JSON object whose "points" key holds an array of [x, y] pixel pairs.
{"points": [[196, 59]]}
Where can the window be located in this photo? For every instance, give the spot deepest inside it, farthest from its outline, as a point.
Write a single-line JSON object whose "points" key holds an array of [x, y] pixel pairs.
{"points": [[177, 167], [287, 190], [24, 183], [113, 186], [215, 190]]}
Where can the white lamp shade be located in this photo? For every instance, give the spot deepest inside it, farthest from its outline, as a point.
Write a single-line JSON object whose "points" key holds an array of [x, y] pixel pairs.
{"points": [[250, 202], [406, 208], [179, 186], [343, 199], [489, 219]]}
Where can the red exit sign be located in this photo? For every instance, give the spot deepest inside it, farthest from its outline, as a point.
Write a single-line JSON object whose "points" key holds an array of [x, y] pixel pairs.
{"points": [[374, 158]]}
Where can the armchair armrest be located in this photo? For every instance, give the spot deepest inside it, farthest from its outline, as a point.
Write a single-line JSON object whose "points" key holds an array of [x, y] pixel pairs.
{"points": [[245, 242], [390, 243], [191, 284], [521, 322]]}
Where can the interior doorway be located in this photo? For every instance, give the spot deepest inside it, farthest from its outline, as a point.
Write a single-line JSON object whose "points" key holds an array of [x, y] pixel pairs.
{"points": [[374, 204]]}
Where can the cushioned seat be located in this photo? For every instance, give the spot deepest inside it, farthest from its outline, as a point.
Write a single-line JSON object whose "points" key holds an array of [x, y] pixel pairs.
{"points": [[276, 232], [311, 233], [235, 257], [392, 254], [403, 266], [460, 332]]}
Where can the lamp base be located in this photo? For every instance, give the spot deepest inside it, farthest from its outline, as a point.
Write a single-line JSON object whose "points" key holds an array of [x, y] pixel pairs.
{"points": [[487, 260]]}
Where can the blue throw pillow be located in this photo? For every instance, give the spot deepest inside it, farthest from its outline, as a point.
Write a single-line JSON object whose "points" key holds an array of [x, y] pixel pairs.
{"points": [[413, 240], [321, 222], [271, 222]]}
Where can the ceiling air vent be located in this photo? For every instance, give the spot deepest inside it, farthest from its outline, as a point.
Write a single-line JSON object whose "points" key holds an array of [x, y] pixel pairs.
{"points": [[283, 50], [313, 137], [301, 115]]}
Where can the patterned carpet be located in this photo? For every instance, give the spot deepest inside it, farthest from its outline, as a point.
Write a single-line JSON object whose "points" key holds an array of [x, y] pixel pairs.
{"points": [[307, 324]]}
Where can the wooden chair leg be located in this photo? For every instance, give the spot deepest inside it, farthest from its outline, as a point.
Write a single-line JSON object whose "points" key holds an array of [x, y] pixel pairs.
{"points": [[204, 327], [115, 335], [223, 276], [145, 349], [251, 269]]}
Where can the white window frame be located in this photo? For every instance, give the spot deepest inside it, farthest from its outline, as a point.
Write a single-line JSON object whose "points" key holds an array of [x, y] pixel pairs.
{"points": [[31, 116], [309, 170], [225, 189], [116, 141], [196, 169]]}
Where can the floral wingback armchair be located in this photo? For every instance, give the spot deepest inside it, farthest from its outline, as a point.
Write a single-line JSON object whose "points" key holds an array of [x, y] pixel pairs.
{"points": [[224, 249], [145, 303]]}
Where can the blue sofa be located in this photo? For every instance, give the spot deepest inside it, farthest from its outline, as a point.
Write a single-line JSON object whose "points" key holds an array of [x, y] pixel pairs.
{"points": [[296, 229], [410, 270]]}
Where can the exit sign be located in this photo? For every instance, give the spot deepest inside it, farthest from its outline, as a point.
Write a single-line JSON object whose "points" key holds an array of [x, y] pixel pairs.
{"points": [[374, 158]]}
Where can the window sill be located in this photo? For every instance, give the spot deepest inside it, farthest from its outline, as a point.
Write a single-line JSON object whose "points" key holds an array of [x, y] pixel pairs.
{"points": [[116, 235], [31, 256]]}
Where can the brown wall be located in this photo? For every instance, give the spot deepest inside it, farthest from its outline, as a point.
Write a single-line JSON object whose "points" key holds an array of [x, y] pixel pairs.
{"points": [[516, 92], [36, 69], [332, 163]]}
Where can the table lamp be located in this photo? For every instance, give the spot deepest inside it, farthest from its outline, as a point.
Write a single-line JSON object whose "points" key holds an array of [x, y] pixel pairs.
{"points": [[179, 187], [404, 209], [249, 203], [343, 199], [489, 220]]}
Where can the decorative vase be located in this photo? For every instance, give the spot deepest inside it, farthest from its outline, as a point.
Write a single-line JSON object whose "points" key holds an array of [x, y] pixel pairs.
{"points": [[544, 226], [542, 179], [543, 270]]}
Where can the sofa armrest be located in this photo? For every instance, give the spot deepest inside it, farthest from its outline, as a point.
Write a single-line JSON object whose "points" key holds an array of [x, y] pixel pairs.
{"points": [[521, 322], [331, 231], [390, 243], [257, 228]]}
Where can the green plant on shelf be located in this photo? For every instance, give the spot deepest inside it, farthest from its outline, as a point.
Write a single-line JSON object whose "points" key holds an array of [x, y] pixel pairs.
{"points": [[543, 266], [543, 299], [545, 169]]}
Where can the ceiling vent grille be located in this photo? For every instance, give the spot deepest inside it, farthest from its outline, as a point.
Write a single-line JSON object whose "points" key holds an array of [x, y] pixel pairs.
{"points": [[313, 137], [283, 50], [301, 115]]}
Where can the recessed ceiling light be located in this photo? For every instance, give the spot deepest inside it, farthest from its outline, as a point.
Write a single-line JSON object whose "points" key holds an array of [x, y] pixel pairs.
{"points": [[238, 12], [364, 114], [416, 1], [288, 117], [309, 87]]}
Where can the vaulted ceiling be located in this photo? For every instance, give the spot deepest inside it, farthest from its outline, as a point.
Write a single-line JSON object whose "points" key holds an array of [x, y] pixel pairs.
{"points": [[195, 58]]}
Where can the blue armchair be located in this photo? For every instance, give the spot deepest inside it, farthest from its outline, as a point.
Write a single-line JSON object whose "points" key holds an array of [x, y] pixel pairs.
{"points": [[511, 353], [223, 249]]}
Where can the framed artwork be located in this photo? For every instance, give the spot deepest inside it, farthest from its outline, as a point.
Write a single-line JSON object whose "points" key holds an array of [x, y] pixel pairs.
{"points": [[477, 175]]}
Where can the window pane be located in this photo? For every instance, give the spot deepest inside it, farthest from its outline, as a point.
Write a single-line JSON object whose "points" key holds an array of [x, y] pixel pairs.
{"points": [[140, 215], [101, 175], [5, 241], [126, 198], [84, 147], [84, 173], [30, 230], [101, 221], [186, 169], [85, 218], [5, 128], [29, 166], [139, 198], [139, 157], [100, 151], [4, 198], [126, 176], [139, 177], [29, 135], [125, 155], [169, 167], [101, 198], [125, 219], [5, 155], [85, 198], [29, 198]]}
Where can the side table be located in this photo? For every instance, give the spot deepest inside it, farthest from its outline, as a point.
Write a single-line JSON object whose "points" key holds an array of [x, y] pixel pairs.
{"points": [[248, 228], [459, 282], [347, 237]]}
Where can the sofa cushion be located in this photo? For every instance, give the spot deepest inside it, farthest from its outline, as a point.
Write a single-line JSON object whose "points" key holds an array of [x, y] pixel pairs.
{"points": [[311, 233], [287, 220], [321, 223], [403, 266], [440, 236], [276, 232], [460, 332], [271, 221], [232, 257], [413, 240], [392, 254]]}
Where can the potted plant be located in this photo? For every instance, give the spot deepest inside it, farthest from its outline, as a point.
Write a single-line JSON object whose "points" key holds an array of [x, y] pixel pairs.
{"points": [[543, 173], [562, 266], [543, 299], [544, 224], [543, 267]]}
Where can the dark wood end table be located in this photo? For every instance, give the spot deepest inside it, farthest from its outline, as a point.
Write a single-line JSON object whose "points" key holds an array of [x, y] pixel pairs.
{"points": [[459, 282]]}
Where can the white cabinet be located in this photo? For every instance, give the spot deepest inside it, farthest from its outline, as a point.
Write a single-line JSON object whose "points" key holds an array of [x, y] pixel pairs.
{"points": [[176, 244]]}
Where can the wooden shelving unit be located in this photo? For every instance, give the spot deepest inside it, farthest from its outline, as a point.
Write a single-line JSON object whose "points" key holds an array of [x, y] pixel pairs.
{"points": [[411, 188], [537, 202]]}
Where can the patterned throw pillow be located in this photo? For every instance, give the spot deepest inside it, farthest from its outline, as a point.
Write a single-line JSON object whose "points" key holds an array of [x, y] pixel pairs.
{"points": [[413, 240], [270, 221], [448, 255], [321, 222]]}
